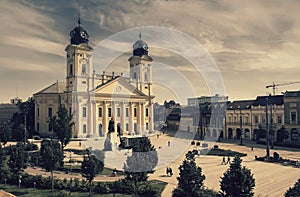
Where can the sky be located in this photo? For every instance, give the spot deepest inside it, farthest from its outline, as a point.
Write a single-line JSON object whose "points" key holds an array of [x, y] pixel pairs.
{"points": [[253, 43]]}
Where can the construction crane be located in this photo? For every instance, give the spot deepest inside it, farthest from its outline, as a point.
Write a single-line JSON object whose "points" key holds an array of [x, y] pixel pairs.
{"points": [[274, 85]]}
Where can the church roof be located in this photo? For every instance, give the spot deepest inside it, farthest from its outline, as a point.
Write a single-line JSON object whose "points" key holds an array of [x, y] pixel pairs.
{"points": [[57, 87]]}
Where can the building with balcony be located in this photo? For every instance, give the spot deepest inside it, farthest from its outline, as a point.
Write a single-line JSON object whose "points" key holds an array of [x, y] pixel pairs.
{"points": [[239, 119], [291, 114]]}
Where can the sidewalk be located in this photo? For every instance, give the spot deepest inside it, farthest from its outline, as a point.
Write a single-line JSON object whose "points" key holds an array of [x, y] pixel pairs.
{"points": [[62, 175]]}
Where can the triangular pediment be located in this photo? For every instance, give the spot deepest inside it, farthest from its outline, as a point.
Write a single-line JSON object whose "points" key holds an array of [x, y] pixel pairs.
{"points": [[118, 86]]}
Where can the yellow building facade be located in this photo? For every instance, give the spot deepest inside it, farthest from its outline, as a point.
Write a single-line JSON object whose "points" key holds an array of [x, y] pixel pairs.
{"points": [[94, 99]]}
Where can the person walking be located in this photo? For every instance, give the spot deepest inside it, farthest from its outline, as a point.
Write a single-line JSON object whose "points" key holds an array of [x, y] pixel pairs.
{"points": [[228, 159], [223, 161], [171, 171]]}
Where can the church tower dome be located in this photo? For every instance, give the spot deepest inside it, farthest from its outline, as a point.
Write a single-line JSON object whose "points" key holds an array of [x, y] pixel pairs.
{"points": [[140, 47], [79, 35]]}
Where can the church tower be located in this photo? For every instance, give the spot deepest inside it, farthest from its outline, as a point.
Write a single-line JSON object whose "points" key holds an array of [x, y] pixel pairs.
{"points": [[140, 67], [79, 61]]}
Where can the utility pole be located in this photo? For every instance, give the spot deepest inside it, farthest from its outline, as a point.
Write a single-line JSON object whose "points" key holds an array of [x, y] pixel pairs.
{"points": [[267, 129], [241, 137], [271, 126], [25, 119]]}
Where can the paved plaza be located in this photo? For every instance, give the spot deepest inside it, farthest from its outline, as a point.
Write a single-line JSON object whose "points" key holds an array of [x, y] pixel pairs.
{"points": [[271, 179]]}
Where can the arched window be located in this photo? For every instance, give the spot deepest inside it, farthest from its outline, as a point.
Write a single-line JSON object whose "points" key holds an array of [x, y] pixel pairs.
{"points": [[71, 69], [84, 128], [134, 75], [100, 130], [146, 77], [83, 69]]}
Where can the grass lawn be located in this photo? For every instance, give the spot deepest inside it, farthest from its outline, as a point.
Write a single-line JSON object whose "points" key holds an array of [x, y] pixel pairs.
{"points": [[222, 152], [29, 192]]}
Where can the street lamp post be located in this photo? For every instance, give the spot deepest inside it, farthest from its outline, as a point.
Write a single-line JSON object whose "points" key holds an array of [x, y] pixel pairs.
{"points": [[25, 125], [267, 129], [241, 136]]}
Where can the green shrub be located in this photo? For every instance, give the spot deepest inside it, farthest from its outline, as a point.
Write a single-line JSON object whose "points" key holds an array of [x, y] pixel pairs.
{"points": [[148, 190], [102, 188], [122, 186], [31, 147]]}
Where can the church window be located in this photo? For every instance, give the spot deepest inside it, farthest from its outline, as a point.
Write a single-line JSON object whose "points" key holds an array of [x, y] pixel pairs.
{"points": [[118, 112], [84, 112], [49, 112], [84, 128], [71, 69], [70, 110], [100, 112], [135, 112], [38, 111], [134, 75], [147, 112], [109, 112], [100, 130], [146, 77], [49, 126], [147, 126], [127, 126], [83, 68], [127, 112], [38, 127]]}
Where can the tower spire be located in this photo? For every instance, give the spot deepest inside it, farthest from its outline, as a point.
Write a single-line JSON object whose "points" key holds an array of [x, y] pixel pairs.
{"points": [[140, 34], [79, 22]]}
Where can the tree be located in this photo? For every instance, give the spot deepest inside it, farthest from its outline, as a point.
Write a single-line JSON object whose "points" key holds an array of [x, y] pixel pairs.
{"points": [[142, 161], [51, 157], [237, 180], [5, 133], [62, 126], [293, 191], [4, 171], [190, 180], [90, 167], [26, 113], [18, 159]]}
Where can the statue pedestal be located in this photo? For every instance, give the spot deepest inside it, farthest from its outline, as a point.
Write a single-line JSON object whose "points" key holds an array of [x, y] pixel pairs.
{"points": [[112, 142]]}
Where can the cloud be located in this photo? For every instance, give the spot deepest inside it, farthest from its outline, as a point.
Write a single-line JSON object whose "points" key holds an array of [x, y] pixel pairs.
{"points": [[247, 39]]}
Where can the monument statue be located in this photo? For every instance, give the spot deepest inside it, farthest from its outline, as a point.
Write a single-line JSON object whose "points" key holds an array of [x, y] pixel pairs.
{"points": [[112, 140]]}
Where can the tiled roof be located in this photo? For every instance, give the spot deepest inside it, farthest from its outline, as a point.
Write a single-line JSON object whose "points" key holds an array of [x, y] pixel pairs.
{"points": [[261, 100], [57, 87], [241, 104], [292, 94]]}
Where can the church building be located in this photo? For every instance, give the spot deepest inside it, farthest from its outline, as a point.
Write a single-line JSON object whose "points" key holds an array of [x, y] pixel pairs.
{"points": [[94, 99]]}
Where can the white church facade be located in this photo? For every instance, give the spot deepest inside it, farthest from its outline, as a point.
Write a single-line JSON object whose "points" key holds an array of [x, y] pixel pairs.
{"points": [[94, 99]]}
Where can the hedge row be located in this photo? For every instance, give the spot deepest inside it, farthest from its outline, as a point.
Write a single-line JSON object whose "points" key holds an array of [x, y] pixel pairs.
{"points": [[75, 185]]}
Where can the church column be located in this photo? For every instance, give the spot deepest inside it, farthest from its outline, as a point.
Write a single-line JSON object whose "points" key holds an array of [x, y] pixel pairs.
{"points": [[143, 118], [95, 115], [104, 129], [138, 118], [122, 118], [113, 114], [150, 110], [89, 119], [131, 117]]}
